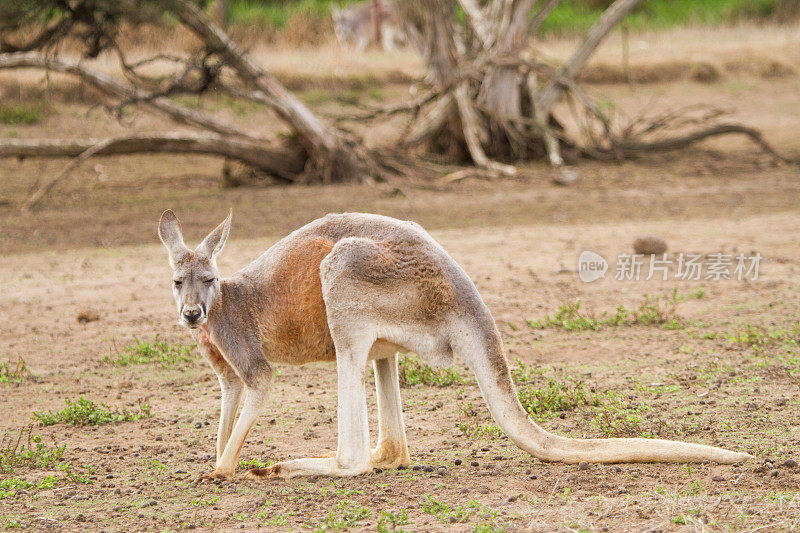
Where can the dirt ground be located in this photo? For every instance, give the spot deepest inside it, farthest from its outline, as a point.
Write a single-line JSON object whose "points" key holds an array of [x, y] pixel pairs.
{"points": [[719, 366]]}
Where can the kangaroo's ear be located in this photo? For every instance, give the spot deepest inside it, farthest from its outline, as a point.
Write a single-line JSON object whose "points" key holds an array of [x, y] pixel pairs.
{"points": [[214, 241], [169, 231]]}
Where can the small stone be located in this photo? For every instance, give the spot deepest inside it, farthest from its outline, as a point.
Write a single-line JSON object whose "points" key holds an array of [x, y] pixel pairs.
{"points": [[474, 463], [416, 468], [198, 425], [583, 465], [314, 479], [649, 245], [774, 473], [86, 316], [512, 498], [564, 176], [401, 467], [533, 476], [378, 470], [790, 463], [717, 478], [617, 469], [429, 469], [528, 471], [781, 402], [80, 518], [458, 462]]}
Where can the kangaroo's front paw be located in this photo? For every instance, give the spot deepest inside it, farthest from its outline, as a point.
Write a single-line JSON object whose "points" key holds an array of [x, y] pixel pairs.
{"points": [[213, 477]]}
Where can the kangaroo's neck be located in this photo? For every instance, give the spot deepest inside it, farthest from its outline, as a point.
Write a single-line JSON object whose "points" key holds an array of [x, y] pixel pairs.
{"points": [[231, 304]]}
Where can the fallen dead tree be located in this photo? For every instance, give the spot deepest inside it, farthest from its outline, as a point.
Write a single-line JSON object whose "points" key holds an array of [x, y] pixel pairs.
{"points": [[490, 100]]}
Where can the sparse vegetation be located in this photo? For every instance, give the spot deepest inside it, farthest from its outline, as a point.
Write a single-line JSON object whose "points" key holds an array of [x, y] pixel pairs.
{"points": [[555, 397], [28, 450], [390, 521], [344, 516], [412, 371], [83, 412], [660, 310], [158, 351], [14, 372], [24, 113], [445, 513]]}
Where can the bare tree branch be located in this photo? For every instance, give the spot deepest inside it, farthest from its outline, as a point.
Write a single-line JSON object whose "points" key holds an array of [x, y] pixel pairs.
{"points": [[284, 163], [599, 30], [119, 89]]}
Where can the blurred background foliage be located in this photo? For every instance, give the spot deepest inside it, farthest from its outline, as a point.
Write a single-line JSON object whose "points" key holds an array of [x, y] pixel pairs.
{"points": [[572, 16]]}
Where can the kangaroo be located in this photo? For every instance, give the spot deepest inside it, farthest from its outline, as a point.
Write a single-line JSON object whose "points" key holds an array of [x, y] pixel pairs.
{"points": [[354, 288], [362, 24]]}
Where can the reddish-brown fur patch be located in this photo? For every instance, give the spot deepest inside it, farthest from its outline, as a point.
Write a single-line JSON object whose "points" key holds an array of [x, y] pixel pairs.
{"points": [[294, 323]]}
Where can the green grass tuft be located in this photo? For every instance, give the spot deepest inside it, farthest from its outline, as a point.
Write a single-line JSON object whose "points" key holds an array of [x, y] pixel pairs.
{"points": [[555, 397], [83, 412], [14, 372], [412, 371], [24, 113], [158, 351]]}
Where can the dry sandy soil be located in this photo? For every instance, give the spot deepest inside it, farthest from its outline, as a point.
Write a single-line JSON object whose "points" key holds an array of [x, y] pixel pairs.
{"points": [[721, 367]]}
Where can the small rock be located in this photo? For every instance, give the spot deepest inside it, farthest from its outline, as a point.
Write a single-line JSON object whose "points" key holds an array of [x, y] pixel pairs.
{"points": [[649, 245], [474, 463], [80, 518], [378, 470], [512, 498], [583, 465], [86, 316], [781, 402], [564, 176], [533, 476], [401, 467], [774, 473], [790, 463], [429, 469], [458, 462], [717, 478], [528, 471], [416, 468], [198, 425]]}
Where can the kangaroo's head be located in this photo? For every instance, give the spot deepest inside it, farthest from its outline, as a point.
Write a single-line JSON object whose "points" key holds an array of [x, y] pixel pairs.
{"points": [[195, 279]]}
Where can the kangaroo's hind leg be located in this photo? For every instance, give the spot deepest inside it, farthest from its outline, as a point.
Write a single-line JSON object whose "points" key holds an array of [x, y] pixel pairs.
{"points": [[352, 451], [391, 450]]}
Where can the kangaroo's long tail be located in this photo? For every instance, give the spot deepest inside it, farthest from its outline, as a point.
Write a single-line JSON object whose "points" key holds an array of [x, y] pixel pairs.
{"points": [[482, 350]]}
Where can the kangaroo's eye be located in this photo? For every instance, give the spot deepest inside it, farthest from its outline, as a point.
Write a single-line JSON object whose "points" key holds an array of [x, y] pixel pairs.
{"points": [[177, 283], [209, 281]]}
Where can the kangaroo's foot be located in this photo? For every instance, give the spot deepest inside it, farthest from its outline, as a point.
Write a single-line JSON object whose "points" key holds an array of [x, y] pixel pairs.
{"points": [[389, 454], [214, 476], [312, 466]]}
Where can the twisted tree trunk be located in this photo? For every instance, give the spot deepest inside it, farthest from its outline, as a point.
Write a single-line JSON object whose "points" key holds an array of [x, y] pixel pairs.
{"points": [[333, 155]]}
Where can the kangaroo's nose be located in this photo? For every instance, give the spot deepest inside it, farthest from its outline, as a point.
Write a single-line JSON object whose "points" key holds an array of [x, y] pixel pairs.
{"points": [[191, 314]]}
